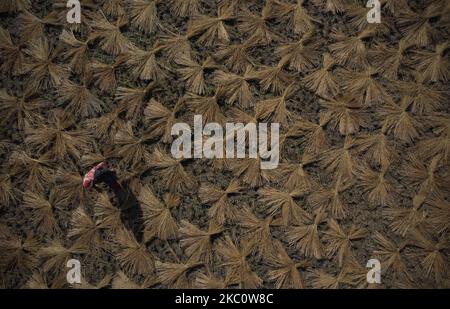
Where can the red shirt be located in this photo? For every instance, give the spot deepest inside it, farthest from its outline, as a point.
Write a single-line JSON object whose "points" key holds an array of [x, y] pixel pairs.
{"points": [[88, 180]]}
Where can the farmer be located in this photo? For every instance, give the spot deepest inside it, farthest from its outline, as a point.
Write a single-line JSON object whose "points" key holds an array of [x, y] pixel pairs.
{"points": [[102, 172]]}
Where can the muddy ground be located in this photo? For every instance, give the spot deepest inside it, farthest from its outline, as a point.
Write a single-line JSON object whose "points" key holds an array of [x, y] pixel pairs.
{"points": [[360, 212]]}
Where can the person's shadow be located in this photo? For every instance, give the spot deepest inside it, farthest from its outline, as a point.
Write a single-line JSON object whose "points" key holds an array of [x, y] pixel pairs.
{"points": [[131, 212]]}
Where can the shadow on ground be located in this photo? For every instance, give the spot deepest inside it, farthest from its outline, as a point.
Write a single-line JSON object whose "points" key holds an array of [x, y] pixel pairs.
{"points": [[131, 212]]}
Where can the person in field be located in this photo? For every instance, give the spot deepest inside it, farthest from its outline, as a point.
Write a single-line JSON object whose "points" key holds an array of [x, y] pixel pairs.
{"points": [[102, 173]]}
